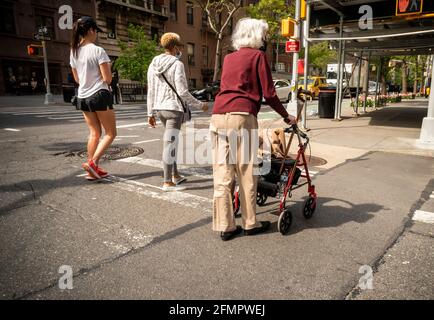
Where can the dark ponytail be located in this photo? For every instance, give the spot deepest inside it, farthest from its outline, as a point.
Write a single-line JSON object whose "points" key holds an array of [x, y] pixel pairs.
{"points": [[78, 31], [75, 40]]}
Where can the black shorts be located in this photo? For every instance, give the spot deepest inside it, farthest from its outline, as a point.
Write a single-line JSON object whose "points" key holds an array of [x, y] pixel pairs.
{"points": [[100, 101]]}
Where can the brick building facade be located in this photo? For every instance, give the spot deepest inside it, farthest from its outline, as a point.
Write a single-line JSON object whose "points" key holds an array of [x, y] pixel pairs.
{"points": [[20, 20]]}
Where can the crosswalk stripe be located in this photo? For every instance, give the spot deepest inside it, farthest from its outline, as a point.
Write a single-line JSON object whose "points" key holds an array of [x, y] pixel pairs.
{"points": [[179, 198], [146, 141], [423, 216], [194, 171], [11, 129]]}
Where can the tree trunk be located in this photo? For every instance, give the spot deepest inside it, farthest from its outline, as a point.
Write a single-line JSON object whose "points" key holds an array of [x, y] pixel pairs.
{"points": [[383, 85], [404, 79], [217, 58], [416, 75]]}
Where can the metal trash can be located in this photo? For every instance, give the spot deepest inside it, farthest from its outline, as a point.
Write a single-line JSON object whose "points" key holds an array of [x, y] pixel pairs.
{"points": [[68, 91], [326, 102]]}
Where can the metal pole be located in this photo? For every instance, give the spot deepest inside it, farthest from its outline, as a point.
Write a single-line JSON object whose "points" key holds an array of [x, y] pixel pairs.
{"points": [[277, 53], [48, 95], [358, 81], [341, 21], [427, 129], [376, 85], [295, 55], [367, 82], [341, 92], [306, 61], [431, 92]]}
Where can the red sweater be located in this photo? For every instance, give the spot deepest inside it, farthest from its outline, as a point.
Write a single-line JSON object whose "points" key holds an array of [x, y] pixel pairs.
{"points": [[246, 77]]}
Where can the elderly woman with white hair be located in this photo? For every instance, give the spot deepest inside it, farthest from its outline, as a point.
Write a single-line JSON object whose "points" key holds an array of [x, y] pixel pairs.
{"points": [[246, 79]]}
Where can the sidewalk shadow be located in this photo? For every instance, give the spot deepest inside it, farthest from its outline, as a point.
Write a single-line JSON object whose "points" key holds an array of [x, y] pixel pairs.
{"points": [[36, 189], [326, 216]]}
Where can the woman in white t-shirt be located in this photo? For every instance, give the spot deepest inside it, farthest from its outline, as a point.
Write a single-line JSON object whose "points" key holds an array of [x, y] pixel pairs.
{"points": [[91, 70]]}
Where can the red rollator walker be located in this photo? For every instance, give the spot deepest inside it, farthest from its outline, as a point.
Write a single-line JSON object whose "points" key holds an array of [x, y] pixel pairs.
{"points": [[283, 178]]}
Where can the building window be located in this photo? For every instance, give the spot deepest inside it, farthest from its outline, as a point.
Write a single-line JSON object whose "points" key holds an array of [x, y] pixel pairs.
{"points": [[7, 21], [190, 54], [111, 28], [154, 34], [205, 55], [45, 21], [281, 67], [190, 13], [173, 10], [204, 20], [192, 83]]}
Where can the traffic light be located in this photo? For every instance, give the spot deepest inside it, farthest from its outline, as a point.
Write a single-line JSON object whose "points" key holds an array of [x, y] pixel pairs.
{"points": [[288, 27], [303, 9], [406, 7], [34, 50]]}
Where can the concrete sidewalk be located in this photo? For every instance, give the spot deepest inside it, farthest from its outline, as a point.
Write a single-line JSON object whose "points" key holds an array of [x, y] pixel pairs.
{"points": [[395, 128]]}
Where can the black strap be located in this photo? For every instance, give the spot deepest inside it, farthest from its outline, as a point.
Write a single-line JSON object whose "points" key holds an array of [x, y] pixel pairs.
{"points": [[179, 98]]}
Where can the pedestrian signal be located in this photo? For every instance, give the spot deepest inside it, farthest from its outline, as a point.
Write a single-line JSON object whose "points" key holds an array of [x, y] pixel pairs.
{"points": [[34, 50], [405, 7], [288, 27]]}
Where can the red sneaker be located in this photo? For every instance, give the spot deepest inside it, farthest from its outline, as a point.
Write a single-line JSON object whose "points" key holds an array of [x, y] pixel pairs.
{"points": [[102, 173], [91, 168]]}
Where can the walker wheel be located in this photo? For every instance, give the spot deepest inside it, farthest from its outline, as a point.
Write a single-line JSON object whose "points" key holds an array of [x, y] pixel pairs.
{"points": [[261, 198], [284, 222], [309, 207]]}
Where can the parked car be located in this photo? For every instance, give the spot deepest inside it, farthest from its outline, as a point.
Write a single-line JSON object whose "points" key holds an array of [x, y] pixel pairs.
{"points": [[313, 84], [208, 93], [283, 89]]}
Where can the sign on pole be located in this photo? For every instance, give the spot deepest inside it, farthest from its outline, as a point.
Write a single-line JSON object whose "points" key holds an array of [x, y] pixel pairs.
{"points": [[292, 46]]}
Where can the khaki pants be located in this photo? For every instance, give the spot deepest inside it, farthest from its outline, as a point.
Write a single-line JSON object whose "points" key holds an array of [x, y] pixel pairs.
{"points": [[234, 155]]}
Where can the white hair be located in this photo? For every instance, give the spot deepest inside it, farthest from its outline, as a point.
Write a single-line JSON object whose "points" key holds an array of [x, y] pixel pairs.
{"points": [[249, 33]]}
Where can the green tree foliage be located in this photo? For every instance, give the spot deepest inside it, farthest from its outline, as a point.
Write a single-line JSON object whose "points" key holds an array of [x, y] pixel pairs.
{"points": [[320, 55], [272, 11], [136, 55]]}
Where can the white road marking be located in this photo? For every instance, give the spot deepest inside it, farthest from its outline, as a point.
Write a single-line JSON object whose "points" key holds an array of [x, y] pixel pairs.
{"points": [[179, 198], [132, 125], [12, 140], [127, 136], [423, 216], [197, 171], [73, 117], [11, 129], [140, 124], [146, 141]]}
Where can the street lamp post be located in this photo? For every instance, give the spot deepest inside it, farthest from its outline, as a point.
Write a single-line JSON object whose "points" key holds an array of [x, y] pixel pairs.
{"points": [[48, 95]]}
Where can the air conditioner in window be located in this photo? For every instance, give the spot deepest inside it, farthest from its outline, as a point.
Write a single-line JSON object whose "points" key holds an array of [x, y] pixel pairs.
{"points": [[111, 35]]}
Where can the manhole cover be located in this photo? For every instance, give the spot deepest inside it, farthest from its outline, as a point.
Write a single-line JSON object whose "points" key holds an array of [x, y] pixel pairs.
{"points": [[312, 160], [115, 153]]}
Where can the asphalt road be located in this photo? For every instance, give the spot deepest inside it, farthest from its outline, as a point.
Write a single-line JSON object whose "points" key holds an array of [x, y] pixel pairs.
{"points": [[124, 238]]}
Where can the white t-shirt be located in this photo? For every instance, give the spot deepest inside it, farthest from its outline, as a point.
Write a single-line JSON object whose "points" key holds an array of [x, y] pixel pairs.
{"points": [[87, 62]]}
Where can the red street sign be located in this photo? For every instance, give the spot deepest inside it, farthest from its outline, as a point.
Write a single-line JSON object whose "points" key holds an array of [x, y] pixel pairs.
{"points": [[292, 46]]}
